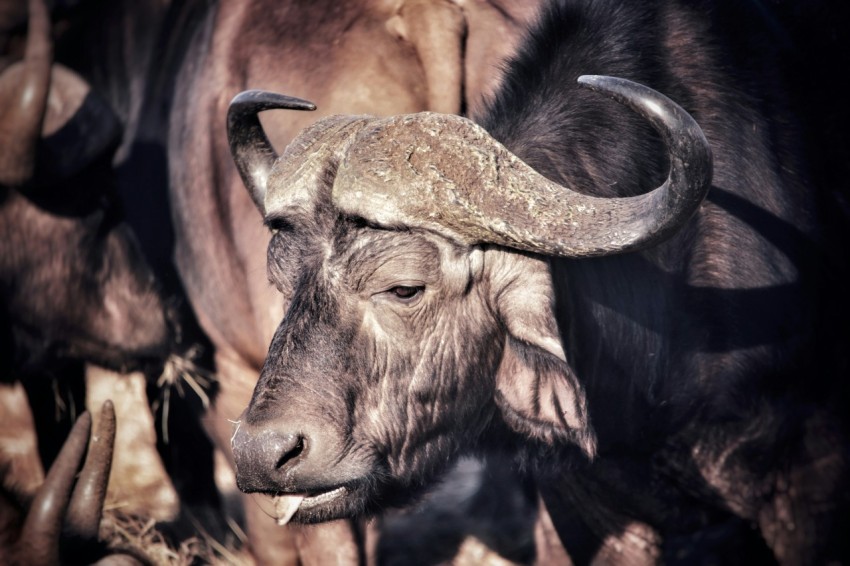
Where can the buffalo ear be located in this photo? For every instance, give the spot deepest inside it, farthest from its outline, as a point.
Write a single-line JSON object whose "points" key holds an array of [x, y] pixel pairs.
{"points": [[537, 391], [539, 396]]}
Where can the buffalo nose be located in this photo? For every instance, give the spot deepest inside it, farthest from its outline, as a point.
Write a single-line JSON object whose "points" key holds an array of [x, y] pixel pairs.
{"points": [[264, 457], [288, 448]]}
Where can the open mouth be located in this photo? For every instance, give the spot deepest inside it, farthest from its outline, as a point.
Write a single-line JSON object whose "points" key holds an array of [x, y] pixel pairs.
{"points": [[285, 505]]}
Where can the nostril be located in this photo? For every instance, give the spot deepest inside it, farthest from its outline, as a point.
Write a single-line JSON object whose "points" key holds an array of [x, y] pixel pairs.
{"points": [[291, 453]]}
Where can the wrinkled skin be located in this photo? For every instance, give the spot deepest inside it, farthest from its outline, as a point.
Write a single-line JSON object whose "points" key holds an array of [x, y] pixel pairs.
{"points": [[713, 381], [408, 324]]}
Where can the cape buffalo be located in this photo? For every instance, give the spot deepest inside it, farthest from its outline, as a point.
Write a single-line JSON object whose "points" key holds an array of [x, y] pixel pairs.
{"points": [[668, 364], [74, 283], [366, 56], [168, 68]]}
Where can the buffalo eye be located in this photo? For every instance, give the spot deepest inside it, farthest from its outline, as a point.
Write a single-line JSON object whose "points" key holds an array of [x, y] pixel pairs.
{"points": [[406, 293]]}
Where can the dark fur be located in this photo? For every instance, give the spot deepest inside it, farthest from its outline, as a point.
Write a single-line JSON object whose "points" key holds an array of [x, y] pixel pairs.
{"points": [[695, 287], [707, 328], [713, 328]]}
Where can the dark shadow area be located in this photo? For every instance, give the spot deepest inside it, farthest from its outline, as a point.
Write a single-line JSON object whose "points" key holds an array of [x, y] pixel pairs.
{"points": [[57, 396], [490, 501]]}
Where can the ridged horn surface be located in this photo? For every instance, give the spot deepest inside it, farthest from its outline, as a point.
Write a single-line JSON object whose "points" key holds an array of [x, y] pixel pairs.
{"points": [[302, 176], [444, 173]]}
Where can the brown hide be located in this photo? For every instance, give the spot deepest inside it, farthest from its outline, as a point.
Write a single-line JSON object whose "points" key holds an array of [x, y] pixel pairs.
{"points": [[374, 57]]}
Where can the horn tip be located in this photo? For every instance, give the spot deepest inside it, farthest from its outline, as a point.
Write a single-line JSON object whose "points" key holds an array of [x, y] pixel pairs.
{"points": [[85, 417], [592, 80], [589, 79], [599, 82], [264, 100]]}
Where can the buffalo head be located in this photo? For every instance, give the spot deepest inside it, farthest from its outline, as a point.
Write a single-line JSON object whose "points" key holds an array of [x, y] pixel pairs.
{"points": [[413, 254], [73, 281]]}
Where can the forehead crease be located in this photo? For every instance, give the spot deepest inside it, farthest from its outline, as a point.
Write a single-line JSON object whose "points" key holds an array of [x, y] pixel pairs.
{"points": [[372, 248], [304, 230], [371, 243]]}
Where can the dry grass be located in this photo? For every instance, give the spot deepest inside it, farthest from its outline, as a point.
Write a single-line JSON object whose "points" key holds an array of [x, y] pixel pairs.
{"points": [[180, 373], [141, 537]]}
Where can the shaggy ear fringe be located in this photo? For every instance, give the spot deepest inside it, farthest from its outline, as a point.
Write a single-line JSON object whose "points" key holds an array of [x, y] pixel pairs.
{"points": [[540, 397], [546, 432]]}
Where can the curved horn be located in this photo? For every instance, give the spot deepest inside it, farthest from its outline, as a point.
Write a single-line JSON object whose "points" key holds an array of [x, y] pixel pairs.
{"points": [[23, 100], [86, 508], [663, 210], [446, 174], [251, 149], [40, 537]]}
